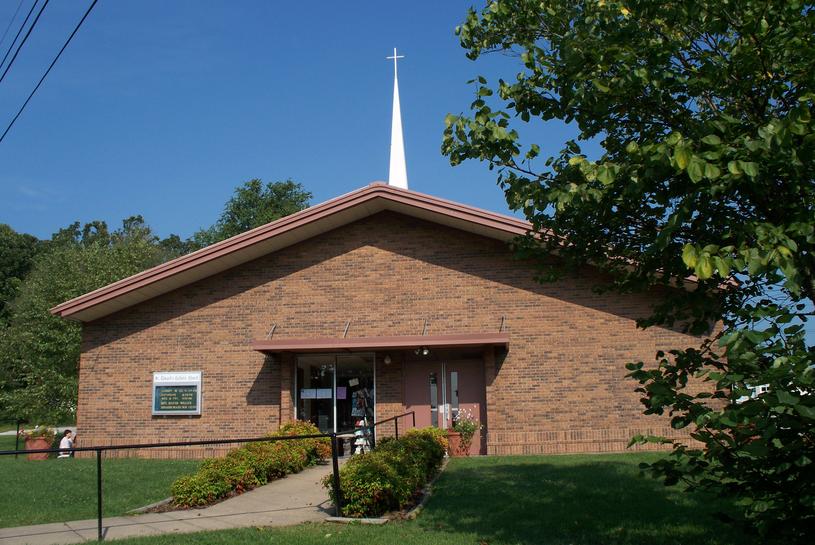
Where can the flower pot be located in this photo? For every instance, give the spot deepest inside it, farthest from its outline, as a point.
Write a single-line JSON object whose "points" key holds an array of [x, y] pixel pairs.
{"points": [[35, 443], [455, 448]]}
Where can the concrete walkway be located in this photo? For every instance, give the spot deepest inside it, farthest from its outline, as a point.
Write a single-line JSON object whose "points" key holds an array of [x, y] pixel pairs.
{"points": [[59, 431], [295, 499]]}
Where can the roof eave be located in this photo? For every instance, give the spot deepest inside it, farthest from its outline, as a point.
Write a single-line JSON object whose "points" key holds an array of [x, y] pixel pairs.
{"points": [[378, 196], [402, 342]]}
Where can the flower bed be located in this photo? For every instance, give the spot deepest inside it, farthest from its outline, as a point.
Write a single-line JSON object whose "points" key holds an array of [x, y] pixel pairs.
{"points": [[392, 476], [40, 437], [465, 428], [251, 465]]}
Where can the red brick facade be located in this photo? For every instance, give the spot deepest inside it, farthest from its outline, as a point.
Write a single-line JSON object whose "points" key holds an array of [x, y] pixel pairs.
{"points": [[560, 387]]}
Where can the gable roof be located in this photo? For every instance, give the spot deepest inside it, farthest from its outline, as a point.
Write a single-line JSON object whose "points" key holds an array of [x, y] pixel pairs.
{"points": [[284, 232]]}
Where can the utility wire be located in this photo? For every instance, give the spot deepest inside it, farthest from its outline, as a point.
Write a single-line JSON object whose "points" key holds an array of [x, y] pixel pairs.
{"points": [[22, 43], [22, 27], [79, 24], [8, 27]]}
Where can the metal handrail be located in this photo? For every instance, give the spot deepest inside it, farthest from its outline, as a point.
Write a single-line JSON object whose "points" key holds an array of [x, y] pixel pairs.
{"points": [[100, 448], [372, 427], [395, 418], [137, 446]]}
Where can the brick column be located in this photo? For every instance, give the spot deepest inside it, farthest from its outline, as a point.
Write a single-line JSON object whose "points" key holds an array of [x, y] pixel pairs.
{"points": [[286, 363], [389, 388], [489, 378]]}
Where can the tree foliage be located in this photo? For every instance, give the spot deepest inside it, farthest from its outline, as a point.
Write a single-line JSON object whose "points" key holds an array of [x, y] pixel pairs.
{"points": [[17, 251], [39, 353], [703, 109], [253, 204]]}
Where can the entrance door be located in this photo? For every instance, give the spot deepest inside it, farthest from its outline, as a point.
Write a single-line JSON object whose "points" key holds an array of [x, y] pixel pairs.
{"points": [[423, 392], [335, 392], [440, 390]]}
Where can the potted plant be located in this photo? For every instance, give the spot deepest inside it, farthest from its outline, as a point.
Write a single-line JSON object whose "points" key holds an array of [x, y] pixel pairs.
{"points": [[465, 426], [41, 437]]}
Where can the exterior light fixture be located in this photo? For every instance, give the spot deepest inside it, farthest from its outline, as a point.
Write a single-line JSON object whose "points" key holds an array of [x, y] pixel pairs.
{"points": [[387, 359], [422, 351]]}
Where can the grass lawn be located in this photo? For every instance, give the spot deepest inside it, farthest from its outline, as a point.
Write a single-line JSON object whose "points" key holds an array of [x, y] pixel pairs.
{"points": [[61, 490], [8, 426], [547, 500]]}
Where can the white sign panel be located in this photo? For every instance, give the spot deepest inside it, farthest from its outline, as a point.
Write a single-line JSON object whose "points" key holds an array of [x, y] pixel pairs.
{"points": [[308, 393], [323, 393], [177, 393]]}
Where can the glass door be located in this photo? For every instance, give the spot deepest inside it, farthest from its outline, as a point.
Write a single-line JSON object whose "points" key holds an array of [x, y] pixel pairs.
{"points": [[439, 408], [454, 407], [355, 391], [434, 398], [335, 392], [315, 391]]}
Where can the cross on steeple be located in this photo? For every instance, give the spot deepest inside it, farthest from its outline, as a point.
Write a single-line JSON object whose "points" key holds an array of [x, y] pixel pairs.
{"points": [[395, 57], [398, 168]]}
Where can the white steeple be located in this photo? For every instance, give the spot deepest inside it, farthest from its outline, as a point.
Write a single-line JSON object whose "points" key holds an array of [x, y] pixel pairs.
{"points": [[398, 168]]}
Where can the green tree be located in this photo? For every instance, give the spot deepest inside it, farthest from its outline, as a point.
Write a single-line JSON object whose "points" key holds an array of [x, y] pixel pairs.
{"points": [[703, 109], [17, 252], [254, 204], [175, 246], [39, 353]]}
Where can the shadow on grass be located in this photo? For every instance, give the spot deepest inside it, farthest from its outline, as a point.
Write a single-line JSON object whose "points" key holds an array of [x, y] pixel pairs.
{"points": [[571, 499]]}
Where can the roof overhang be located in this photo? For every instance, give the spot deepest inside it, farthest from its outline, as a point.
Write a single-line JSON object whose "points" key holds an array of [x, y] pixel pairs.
{"points": [[405, 342], [284, 232]]}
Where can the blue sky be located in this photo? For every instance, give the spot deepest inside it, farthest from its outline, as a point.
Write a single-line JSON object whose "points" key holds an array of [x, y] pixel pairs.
{"points": [[162, 108]]}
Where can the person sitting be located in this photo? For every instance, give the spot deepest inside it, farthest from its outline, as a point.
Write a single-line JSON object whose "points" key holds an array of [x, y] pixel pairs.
{"points": [[66, 444]]}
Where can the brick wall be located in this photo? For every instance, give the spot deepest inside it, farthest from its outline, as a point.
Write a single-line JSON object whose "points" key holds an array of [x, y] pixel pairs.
{"points": [[559, 388]]}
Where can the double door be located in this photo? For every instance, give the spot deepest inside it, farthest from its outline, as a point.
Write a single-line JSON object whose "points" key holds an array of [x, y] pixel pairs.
{"points": [[440, 392]]}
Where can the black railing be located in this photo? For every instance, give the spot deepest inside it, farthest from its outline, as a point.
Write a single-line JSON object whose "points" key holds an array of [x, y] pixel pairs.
{"points": [[17, 437], [395, 419], [99, 449]]}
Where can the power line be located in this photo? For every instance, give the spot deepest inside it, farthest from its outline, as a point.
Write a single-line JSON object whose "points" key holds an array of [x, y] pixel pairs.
{"points": [[79, 24], [22, 42], [22, 27], [8, 27]]}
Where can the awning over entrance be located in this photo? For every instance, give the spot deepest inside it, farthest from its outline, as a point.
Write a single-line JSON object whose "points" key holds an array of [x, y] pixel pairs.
{"points": [[382, 343]]}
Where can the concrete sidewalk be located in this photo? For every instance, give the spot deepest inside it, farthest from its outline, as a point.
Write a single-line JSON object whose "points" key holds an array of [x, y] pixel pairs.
{"points": [[295, 499], [59, 431]]}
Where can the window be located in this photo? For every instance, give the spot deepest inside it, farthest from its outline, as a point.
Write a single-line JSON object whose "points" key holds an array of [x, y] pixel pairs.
{"points": [[335, 392]]}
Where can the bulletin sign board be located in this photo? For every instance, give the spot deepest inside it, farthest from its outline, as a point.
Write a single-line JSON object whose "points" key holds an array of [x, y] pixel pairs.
{"points": [[177, 393]]}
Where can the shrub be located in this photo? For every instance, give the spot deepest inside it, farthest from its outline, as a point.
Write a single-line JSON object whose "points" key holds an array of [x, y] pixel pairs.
{"points": [[251, 465], [267, 459], [438, 434], [390, 477], [198, 489], [319, 449], [216, 478]]}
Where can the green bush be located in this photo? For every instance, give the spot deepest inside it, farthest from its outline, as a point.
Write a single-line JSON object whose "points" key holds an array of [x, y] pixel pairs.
{"points": [[438, 434], [318, 449], [251, 465], [390, 477]]}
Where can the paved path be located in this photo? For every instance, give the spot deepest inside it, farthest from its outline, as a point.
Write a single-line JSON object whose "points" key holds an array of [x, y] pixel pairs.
{"points": [[59, 431], [295, 499]]}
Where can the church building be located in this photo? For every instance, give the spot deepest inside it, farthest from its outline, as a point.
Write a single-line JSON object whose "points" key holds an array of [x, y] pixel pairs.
{"points": [[373, 304]]}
